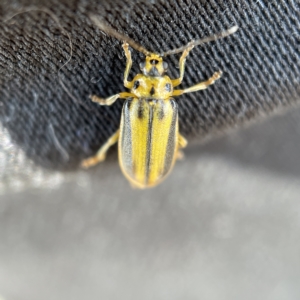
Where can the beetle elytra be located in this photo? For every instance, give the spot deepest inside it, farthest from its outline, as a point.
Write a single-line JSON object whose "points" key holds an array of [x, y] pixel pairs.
{"points": [[148, 139]]}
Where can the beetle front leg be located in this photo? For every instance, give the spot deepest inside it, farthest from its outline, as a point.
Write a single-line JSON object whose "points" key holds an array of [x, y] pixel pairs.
{"points": [[101, 154], [127, 84], [176, 82], [199, 86], [110, 100]]}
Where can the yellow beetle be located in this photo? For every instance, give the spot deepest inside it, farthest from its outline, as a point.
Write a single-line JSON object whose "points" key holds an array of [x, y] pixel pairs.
{"points": [[149, 139]]}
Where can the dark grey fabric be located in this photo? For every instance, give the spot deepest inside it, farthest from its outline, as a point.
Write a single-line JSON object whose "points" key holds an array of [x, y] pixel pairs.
{"points": [[50, 115]]}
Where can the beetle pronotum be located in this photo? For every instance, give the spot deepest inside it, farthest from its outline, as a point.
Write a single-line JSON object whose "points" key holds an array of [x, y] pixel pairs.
{"points": [[148, 137]]}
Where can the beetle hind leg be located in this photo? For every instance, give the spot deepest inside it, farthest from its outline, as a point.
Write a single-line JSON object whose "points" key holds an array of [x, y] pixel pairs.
{"points": [[182, 143], [179, 155], [101, 154]]}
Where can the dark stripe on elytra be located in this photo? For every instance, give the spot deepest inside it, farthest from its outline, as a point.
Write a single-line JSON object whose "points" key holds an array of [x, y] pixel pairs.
{"points": [[169, 154], [149, 144], [161, 111], [140, 111], [128, 104], [133, 168], [174, 104], [126, 144]]}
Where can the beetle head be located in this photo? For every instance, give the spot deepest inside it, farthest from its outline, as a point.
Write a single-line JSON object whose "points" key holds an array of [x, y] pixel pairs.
{"points": [[153, 65]]}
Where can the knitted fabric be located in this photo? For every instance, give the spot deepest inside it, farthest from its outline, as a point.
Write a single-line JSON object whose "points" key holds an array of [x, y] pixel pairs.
{"points": [[46, 79]]}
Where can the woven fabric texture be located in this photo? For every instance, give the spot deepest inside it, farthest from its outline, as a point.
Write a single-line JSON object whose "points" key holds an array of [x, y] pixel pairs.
{"points": [[44, 100]]}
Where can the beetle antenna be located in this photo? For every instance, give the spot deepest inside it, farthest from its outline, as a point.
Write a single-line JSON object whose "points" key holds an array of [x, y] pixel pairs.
{"points": [[203, 41], [109, 30]]}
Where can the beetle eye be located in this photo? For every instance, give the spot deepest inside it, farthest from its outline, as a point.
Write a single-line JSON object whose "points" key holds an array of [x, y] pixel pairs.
{"points": [[142, 65], [165, 65]]}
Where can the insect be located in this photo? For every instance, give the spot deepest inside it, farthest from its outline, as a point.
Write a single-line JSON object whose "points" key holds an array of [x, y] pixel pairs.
{"points": [[148, 139]]}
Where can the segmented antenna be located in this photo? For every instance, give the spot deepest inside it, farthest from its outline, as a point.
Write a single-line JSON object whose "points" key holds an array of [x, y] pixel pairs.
{"points": [[109, 30], [202, 41]]}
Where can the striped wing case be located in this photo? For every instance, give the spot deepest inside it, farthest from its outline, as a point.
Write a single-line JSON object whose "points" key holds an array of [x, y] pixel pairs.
{"points": [[148, 140]]}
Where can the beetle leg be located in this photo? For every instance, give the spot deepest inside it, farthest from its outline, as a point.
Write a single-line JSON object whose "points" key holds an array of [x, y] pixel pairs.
{"points": [[179, 155], [200, 86], [176, 82], [182, 142], [101, 154], [110, 100], [127, 84]]}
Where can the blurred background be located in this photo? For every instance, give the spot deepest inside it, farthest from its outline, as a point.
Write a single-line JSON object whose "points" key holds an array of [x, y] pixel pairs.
{"points": [[224, 225]]}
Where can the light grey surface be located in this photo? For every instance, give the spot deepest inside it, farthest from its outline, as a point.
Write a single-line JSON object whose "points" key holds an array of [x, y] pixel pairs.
{"points": [[17, 173], [224, 225]]}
